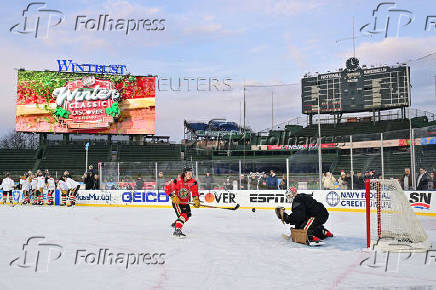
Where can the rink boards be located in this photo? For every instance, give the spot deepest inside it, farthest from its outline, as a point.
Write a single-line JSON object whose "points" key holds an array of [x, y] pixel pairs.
{"points": [[422, 202]]}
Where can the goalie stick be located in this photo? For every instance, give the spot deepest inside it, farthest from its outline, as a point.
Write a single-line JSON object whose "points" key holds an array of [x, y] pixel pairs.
{"points": [[211, 206]]}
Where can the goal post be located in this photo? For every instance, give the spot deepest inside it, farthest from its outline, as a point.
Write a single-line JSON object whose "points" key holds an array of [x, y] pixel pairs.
{"points": [[391, 223]]}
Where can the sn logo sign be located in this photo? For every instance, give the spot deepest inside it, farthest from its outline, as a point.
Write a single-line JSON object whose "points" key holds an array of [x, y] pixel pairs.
{"points": [[420, 200]]}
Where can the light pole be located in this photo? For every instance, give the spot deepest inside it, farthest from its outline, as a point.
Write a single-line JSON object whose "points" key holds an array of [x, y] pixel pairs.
{"points": [[86, 154], [319, 145]]}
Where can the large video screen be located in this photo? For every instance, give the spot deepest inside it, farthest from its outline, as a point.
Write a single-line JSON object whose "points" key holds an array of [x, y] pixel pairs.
{"points": [[64, 102], [359, 90]]}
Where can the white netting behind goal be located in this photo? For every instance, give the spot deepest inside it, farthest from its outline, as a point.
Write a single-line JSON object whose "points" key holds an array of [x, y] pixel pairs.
{"points": [[394, 225]]}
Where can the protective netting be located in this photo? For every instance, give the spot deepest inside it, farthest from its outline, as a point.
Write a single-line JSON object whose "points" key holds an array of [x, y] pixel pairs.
{"points": [[392, 220]]}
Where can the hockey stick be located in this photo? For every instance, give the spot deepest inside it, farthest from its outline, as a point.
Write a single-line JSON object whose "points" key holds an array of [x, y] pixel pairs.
{"points": [[211, 206]]}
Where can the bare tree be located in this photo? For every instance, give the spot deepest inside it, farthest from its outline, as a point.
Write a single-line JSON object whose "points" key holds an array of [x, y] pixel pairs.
{"points": [[18, 140]]}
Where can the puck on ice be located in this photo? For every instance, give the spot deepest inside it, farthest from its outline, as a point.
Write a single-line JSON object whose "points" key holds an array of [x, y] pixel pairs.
{"points": [[253, 209]]}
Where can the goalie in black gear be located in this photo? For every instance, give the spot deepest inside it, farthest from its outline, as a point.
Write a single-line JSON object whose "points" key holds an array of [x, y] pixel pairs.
{"points": [[307, 214]]}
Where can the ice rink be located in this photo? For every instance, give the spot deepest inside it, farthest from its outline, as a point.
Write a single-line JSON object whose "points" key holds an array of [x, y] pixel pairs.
{"points": [[223, 250]]}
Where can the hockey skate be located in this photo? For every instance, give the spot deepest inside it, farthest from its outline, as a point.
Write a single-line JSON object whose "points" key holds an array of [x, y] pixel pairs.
{"points": [[178, 233], [327, 233], [314, 241]]}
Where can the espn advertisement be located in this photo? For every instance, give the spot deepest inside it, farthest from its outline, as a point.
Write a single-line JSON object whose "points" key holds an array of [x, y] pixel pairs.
{"points": [[66, 102]]}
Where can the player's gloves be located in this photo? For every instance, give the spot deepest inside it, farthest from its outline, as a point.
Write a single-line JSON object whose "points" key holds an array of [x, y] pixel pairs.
{"points": [[280, 211], [196, 202], [175, 199]]}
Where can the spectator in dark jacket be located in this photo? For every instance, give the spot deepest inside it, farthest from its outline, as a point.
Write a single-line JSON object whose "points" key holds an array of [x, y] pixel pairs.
{"points": [[406, 180], [358, 181], [139, 183], [96, 182], [263, 182], [272, 182], [89, 180], [208, 181], [228, 183], [283, 183], [244, 182], [252, 183], [423, 180]]}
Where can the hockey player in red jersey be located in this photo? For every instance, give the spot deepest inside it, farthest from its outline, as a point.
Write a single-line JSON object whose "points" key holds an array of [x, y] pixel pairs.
{"points": [[180, 191]]}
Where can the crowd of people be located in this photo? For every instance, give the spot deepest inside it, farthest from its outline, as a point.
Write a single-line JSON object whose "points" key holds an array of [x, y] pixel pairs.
{"points": [[35, 184], [424, 180], [250, 181]]}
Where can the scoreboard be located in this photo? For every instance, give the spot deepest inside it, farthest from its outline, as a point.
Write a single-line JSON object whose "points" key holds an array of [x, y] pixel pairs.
{"points": [[356, 89]]}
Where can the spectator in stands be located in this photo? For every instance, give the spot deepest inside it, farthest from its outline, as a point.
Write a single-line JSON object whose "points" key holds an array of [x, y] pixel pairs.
{"points": [[406, 180], [228, 184], [235, 184], [208, 181], [283, 183], [358, 181], [272, 182], [139, 183], [328, 181], [262, 182], [244, 182], [96, 182], [161, 181], [252, 182], [343, 180], [91, 169], [367, 175], [423, 180], [432, 181], [89, 180]]}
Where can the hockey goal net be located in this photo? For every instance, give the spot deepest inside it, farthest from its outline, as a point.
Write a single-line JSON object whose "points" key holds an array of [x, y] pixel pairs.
{"points": [[391, 223]]}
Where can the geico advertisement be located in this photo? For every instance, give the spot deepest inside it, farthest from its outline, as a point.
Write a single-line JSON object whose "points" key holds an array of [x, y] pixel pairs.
{"points": [[133, 197]]}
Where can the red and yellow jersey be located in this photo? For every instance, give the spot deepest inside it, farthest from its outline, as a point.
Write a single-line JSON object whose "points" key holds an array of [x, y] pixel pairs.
{"points": [[183, 189]]}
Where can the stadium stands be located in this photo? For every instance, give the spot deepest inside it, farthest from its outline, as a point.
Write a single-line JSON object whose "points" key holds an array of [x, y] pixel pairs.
{"points": [[17, 161]]}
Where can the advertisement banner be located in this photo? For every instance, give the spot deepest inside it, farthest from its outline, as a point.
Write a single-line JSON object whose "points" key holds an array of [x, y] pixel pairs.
{"points": [[133, 198], [422, 202], [18, 196], [66, 102]]}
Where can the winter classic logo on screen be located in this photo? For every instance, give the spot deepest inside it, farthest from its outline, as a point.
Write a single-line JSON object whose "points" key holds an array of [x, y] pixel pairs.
{"points": [[88, 103], [332, 198]]}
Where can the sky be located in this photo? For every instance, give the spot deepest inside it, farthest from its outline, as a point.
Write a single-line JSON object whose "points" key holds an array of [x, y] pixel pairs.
{"points": [[251, 42]]}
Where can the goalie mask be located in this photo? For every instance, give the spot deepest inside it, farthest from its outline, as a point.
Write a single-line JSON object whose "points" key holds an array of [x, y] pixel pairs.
{"points": [[290, 194]]}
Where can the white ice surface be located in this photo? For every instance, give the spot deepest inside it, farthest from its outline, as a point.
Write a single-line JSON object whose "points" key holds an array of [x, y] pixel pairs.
{"points": [[223, 250]]}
